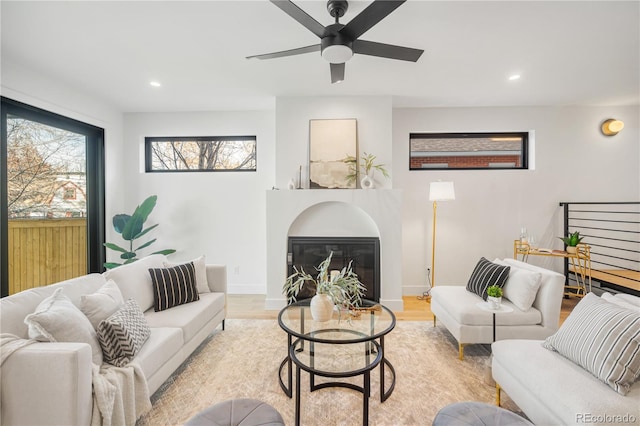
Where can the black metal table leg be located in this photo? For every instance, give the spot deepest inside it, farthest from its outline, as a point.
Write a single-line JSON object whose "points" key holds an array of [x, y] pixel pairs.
{"points": [[297, 395]]}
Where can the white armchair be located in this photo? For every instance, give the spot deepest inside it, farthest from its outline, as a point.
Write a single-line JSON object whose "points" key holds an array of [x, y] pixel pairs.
{"points": [[456, 308]]}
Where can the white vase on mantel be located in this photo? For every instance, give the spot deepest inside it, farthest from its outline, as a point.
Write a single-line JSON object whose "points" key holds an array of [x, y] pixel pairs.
{"points": [[367, 183], [321, 307]]}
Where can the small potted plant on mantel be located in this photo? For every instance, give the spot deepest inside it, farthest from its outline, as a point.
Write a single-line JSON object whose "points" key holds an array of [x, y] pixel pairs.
{"points": [[494, 296], [340, 287], [572, 241]]}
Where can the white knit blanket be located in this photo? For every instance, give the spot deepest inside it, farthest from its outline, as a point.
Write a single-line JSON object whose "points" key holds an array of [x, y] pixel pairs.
{"points": [[120, 394]]}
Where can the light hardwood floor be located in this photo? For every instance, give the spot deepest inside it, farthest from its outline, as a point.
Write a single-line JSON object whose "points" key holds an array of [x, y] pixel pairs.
{"points": [[252, 307]]}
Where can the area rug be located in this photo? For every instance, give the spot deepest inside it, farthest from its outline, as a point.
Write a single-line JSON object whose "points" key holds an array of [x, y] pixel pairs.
{"points": [[242, 362]]}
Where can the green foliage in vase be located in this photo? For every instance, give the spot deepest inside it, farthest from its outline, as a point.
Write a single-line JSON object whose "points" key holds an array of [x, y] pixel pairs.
{"points": [[366, 165], [494, 291], [131, 227], [572, 240], [344, 288]]}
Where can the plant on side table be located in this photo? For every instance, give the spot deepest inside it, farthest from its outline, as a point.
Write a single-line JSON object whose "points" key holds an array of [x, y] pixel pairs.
{"points": [[341, 287], [494, 296], [572, 241]]}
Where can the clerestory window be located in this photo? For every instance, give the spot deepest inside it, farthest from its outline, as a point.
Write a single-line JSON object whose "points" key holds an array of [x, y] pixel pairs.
{"points": [[464, 151], [200, 154]]}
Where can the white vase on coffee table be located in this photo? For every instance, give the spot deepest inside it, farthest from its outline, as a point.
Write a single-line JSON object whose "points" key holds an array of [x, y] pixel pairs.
{"points": [[321, 307]]}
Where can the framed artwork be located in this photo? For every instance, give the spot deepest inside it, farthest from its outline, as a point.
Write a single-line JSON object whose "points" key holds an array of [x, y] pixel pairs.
{"points": [[333, 150]]}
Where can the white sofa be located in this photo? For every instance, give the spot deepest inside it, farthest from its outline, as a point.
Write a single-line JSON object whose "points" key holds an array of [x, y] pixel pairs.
{"points": [[456, 308], [552, 390], [51, 383]]}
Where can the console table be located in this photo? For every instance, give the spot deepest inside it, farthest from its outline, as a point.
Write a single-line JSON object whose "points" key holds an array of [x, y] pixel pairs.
{"points": [[580, 261], [350, 344]]}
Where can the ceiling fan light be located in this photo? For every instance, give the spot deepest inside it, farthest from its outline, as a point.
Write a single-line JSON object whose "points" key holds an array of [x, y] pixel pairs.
{"points": [[337, 54]]}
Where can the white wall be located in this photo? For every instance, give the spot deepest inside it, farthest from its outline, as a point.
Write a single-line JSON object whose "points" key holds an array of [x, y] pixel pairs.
{"points": [[574, 162], [218, 214], [42, 91]]}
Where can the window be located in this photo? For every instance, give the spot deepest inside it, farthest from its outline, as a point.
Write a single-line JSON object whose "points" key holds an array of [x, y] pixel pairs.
{"points": [[200, 154], [439, 151], [51, 195]]}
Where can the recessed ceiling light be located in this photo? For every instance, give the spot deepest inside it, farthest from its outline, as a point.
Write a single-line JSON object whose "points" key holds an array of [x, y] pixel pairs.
{"points": [[155, 83], [514, 77]]}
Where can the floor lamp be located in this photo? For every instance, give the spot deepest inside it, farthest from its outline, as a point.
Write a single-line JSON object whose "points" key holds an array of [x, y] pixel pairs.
{"points": [[438, 191]]}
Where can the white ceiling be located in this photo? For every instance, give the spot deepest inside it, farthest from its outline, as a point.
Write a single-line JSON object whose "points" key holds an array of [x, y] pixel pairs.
{"points": [[568, 53]]}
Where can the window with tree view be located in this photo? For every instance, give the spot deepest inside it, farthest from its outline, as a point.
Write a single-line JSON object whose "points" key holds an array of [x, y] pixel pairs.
{"points": [[439, 151], [194, 154]]}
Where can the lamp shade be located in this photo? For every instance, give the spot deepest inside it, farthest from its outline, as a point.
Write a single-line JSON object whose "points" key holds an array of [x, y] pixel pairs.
{"points": [[441, 191]]}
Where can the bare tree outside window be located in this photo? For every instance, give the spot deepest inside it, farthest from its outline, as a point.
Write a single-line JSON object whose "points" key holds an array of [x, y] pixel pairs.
{"points": [[187, 154], [42, 161]]}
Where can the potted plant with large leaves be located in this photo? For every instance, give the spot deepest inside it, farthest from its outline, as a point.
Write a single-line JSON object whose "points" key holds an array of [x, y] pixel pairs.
{"points": [[340, 287], [131, 227]]}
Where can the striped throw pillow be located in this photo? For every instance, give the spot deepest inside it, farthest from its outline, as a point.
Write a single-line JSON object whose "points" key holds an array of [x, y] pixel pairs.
{"points": [[602, 338], [174, 286], [122, 334], [486, 274]]}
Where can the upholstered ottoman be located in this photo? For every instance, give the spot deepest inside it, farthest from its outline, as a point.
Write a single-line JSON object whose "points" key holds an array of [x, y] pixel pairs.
{"points": [[477, 414], [238, 412]]}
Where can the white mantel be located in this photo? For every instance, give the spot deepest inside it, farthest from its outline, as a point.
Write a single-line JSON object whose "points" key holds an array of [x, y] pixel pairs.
{"points": [[336, 213]]}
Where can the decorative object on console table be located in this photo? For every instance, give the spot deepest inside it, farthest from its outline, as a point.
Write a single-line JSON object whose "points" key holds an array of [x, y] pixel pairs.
{"points": [[330, 143], [572, 241], [438, 191], [342, 288], [131, 228]]}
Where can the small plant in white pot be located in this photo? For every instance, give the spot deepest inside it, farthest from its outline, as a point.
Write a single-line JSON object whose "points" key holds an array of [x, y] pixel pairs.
{"points": [[494, 296], [332, 287], [572, 241]]}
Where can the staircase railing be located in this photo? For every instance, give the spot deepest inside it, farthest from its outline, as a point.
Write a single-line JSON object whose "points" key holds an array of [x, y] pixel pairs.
{"points": [[612, 230]]}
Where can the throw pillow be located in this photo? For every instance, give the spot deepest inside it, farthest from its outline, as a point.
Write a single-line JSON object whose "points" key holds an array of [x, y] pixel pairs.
{"points": [[602, 338], [522, 287], [617, 300], [56, 319], [173, 286], [486, 274], [201, 273], [123, 334], [101, 304]]}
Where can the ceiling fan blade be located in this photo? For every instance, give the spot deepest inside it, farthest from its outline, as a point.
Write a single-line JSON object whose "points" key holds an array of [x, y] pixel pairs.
{"points": [[301, 16], [366, 19], [390, 51], [291, 52], [337, 73]]}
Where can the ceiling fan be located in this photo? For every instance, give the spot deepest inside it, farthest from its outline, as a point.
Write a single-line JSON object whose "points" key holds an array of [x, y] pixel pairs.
{"points": [[338, 42]]}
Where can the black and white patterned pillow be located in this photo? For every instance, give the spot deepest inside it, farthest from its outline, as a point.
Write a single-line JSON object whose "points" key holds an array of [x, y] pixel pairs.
{"points": [[486, 274], [602, 338], [122, 334], [174, 286]]}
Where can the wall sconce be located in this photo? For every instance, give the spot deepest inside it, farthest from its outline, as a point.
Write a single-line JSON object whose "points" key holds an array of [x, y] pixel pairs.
{"points": [[611, 127]]}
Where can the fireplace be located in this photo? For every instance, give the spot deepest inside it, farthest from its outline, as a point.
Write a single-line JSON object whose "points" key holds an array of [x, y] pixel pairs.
{"points": [[333, 214], [363, 252]]}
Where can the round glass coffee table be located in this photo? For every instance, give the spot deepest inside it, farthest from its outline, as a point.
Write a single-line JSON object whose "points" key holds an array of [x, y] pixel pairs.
{"points": [[350, 344]]}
